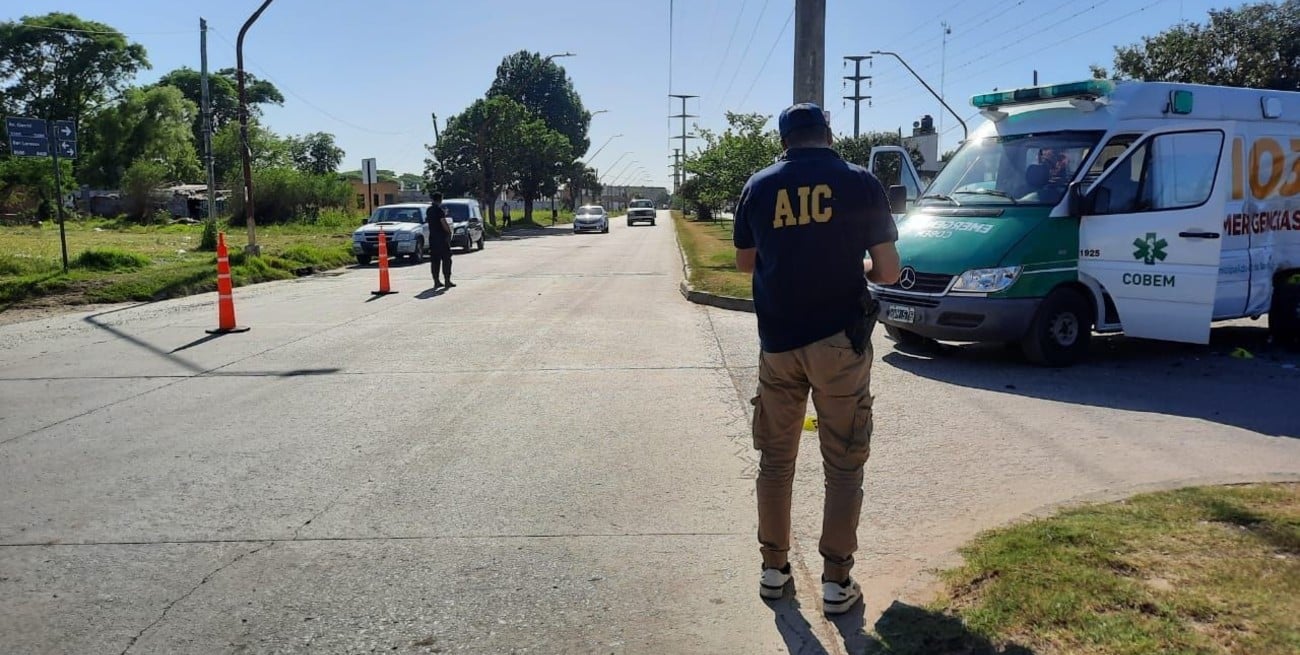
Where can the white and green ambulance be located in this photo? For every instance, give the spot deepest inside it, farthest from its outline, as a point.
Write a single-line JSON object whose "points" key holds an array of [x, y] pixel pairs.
{"points": [[1152, 209]]}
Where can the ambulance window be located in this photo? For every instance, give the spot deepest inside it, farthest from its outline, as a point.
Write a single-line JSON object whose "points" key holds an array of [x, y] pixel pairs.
{"points": [[1169, 171], [1109, 153]]}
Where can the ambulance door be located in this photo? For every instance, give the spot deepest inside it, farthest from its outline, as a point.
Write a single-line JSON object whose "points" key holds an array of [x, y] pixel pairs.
{"points": [[1150, 232], [893, 165]]}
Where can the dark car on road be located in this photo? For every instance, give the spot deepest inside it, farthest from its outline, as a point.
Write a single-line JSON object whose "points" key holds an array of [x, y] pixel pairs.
{"points": [[466, 217], [641, 211]]}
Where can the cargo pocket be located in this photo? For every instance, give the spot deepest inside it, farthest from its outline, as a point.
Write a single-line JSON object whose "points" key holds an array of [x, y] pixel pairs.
{"points": [[863, 424], [758, 428]]}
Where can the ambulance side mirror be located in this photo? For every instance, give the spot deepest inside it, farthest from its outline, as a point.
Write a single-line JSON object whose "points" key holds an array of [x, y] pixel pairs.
{"points": [[1077, 202], [898, 199]]}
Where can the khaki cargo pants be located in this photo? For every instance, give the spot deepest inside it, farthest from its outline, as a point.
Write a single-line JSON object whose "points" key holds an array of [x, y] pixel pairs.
{"points": [[840, 382]]}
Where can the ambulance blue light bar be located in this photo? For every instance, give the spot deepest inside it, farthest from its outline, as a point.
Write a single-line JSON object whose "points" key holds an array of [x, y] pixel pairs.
{"points": [[1088, 89]]}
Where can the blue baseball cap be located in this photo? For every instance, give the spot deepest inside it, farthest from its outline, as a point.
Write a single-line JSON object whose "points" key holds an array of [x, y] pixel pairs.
{"points": [[804, 114]]}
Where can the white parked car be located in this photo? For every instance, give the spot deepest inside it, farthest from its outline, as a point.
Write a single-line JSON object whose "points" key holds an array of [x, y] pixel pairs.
{"points": [[591, 218], [404, 229]]}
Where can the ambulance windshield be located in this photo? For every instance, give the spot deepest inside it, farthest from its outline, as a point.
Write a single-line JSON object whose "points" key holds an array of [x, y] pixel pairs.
{"points": [[1022, 169]]}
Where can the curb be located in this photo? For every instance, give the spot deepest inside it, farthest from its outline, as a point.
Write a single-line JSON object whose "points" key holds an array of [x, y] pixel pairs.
{"points": [[730, 303]]}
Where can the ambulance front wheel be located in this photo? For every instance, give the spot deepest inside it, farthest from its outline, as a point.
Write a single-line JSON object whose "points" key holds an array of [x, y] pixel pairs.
{"points": [[1284, 314], [1061, 331]]}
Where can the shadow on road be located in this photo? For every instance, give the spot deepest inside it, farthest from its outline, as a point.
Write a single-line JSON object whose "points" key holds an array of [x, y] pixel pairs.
{"points": [[1195, 381], [430, 293], [196, 369], [534, 231], [902, 630]]}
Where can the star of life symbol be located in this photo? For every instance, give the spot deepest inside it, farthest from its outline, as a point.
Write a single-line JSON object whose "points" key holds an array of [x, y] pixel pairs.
{"points": [[1150, 249]]}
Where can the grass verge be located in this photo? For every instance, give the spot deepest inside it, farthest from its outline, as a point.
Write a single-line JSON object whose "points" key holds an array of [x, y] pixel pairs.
{"points": [[111, 262], [712, 257], [1199, 570]]}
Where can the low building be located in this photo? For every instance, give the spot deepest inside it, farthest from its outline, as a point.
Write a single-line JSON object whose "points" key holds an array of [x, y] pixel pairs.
{"points": [[382, 193]]}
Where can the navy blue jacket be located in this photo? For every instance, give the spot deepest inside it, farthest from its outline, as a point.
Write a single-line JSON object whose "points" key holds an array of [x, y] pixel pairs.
{"points": [[812, 216]]}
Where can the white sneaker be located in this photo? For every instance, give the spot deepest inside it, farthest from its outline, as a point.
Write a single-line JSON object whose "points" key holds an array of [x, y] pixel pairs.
{"points": [[838, 598], [772, 584]]}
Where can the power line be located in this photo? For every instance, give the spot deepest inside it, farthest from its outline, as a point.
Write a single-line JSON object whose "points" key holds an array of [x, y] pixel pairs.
{"points": [[307, 102], [112, 32], [771, 50], [1066, 20], [740, 64], [929, 64], [985, 55], [726, 53]]}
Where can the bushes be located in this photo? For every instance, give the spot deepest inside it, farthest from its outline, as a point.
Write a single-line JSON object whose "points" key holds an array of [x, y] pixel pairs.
{"points": [[110, 259], [284, 194], [139, 183]]}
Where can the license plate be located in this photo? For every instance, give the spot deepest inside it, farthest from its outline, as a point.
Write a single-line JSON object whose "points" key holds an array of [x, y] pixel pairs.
{"points": [[901, 314]]}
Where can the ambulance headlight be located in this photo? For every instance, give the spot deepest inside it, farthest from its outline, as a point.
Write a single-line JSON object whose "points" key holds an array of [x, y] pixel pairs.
{"points": [[987, 280]]}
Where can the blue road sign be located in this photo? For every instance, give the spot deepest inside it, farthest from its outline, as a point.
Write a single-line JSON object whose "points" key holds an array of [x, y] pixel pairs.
{"points": [[24, 147], [67, 149], [65, 130], [27, 137], [26, 128]]}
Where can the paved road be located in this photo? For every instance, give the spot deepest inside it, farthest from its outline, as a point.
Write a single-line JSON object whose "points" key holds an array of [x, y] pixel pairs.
{"points": [[552, 457]]}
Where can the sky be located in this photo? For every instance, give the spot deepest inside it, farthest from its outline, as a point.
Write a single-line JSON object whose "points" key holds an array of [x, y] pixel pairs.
{"points": [[372, 72]]}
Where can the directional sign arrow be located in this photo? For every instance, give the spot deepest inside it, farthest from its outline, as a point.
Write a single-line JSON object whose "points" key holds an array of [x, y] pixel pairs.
{"points": [[68, 148], [65, 131]]}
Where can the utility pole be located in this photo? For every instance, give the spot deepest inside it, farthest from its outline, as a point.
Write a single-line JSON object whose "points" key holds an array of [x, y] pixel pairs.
{"points": [[810, 51], [681, 176], [857, 77], [252, 248], [943, 71], [677, 169], [207, 121]]}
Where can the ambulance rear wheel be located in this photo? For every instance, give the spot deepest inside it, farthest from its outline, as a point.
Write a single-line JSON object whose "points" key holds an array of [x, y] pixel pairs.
{"points": [[1284, 314], [1061, 331]]}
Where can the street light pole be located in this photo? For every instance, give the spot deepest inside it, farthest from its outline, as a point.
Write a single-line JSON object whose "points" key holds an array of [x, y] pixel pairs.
{"points": [[965, 131], [602, 147], [252, 248]]}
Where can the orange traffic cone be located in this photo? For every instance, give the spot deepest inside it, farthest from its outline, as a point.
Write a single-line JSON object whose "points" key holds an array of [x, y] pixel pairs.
{"points": [[225, 297], [384, 287]]}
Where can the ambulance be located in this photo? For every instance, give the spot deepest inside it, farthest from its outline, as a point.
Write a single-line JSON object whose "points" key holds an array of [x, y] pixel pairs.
{"points": [[1152, 209]]}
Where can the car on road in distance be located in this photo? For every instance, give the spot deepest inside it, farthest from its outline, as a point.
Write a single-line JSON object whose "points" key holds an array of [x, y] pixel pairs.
{"points": [[591, 218], [641, 210], [403, 227], [466, 218]]}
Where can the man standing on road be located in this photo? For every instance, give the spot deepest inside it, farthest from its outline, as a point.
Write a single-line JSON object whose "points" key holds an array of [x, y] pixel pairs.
{"points": [[802, 227], [439, 241], [505, 213]]}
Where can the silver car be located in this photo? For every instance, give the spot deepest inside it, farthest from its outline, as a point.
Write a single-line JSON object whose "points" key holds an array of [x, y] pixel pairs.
{"points": [[591, 218]]}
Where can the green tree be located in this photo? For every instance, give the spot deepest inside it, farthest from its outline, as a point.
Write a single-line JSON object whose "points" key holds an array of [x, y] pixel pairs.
{"points": [[58, 65], [580, 179], [27, 183], [268, 149], [543, 87], [315, 153], [1253, 45], [729, 158], [138, 184], [147, 124], [542, 156], [480, 150], [283, 193], [223, 93]]}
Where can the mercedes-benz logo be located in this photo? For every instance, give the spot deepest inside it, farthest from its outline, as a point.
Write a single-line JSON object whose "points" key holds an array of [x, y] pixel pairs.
{"points": [[907, 278]]}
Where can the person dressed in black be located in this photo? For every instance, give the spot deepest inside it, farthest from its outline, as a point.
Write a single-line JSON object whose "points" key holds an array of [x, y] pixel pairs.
{"points": [[439, 242], [505, 213]]}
